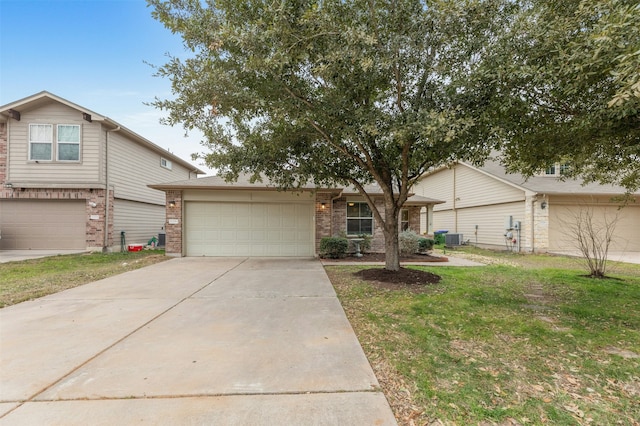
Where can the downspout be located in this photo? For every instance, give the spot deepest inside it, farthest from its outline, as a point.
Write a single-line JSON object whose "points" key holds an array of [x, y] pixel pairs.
{"points": [[455, 211], [107, 205]]}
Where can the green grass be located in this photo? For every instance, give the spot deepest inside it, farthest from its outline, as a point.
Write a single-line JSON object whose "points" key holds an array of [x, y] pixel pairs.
{"points": [[29, 279], [506, 342]]}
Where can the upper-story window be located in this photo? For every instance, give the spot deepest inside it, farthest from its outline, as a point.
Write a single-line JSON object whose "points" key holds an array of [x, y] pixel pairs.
{"points": [[40, 142], [558, 169], [165, 163], [359, 218], [42, 148], [68, 142]]}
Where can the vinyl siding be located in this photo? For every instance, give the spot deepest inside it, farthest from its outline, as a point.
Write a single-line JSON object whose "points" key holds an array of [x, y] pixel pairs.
{"points": [[438, 186], [140, 221], [20, 169], [474, 188], [132, 167], [491, 223]]}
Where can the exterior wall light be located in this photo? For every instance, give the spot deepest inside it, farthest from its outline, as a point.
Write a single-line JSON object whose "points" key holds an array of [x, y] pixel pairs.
{"points": [[172, 203], [543, 205], [323, 206]]}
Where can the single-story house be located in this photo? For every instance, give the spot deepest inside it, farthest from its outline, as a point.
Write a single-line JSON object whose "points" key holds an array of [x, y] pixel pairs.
{"points": [[71, 178], [210, 217], [485, 203]]}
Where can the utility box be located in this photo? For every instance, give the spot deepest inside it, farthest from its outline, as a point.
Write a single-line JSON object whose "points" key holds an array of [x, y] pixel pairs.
{"points": [[508, 222], [451, 240]]}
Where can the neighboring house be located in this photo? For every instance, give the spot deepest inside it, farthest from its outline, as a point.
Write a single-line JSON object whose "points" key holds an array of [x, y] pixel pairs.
{"points": [[209, 217], [484, 203], [73, 179]]}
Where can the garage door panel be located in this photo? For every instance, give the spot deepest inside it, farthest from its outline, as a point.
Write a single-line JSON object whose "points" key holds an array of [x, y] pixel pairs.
{"points": [[43, 224], [249, 229]]}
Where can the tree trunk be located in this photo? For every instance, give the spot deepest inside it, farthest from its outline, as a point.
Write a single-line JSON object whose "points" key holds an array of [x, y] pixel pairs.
{"points": [[391, 240]]}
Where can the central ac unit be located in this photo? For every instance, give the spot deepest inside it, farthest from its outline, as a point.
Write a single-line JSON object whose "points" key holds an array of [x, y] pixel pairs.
{"points": [[453, 239]]}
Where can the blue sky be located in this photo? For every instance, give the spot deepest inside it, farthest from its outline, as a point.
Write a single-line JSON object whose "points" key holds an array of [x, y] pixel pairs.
{"points": [[92, 53]]}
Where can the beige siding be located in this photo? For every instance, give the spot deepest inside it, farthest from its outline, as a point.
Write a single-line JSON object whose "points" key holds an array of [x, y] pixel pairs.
{"points": [[562, 214], [474, 188], [491, 223], [444, 220], [21, 170], [438, 186], [132, 167], [140, 221]]}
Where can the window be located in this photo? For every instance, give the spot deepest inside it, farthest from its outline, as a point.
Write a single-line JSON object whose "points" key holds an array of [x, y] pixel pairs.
{"points": [[404, 220], [40, 142], [68, 141], [165, 163], [558, 169], [359, 219]]}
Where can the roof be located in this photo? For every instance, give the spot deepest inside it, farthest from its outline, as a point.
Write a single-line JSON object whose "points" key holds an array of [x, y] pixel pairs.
{"points": [[44, 97], [549, 184], [243, 183]]}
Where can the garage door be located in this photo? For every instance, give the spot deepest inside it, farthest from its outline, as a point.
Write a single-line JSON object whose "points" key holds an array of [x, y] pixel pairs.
{"points": [[42, 224], [626, 235], [249, 229]]}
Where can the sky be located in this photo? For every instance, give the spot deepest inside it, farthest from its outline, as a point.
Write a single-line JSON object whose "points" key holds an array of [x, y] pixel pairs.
{"points": [[94, 53]]}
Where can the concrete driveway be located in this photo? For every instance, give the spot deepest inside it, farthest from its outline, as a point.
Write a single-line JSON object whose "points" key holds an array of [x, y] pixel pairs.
{"points": [[189, 341]]}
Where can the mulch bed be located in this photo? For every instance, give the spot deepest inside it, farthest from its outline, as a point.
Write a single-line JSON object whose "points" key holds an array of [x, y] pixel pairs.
{"points": [[404, 279], [380, 257]]}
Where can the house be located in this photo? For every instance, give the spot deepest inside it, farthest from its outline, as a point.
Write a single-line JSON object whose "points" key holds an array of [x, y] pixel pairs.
{"points": [[74, 179], [485, 203], [210, 217]]}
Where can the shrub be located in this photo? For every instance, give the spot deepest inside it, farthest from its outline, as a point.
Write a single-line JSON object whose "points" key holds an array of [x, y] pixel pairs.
{"points": [[365, 245], [334, 247], [425, 244], [409, 242]]}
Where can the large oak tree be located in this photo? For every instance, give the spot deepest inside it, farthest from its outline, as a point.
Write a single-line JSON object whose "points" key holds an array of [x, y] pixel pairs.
{"points": [[340, 92], [568, 76]]}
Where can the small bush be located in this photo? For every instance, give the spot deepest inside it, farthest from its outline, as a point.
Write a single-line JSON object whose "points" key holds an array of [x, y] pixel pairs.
{"points": [[425, 244], [365, 245], [334, 247], [409, 242]]}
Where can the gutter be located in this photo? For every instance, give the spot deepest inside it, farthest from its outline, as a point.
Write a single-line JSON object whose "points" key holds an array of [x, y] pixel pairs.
{"points": [[105, 246]]}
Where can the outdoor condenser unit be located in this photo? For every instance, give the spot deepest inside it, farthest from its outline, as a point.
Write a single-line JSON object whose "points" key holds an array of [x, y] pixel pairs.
{"points": [[453, 239]]}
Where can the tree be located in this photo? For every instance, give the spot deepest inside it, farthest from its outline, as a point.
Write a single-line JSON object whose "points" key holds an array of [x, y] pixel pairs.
{"points": [[570, 89], [592, 234], [340, 92]]}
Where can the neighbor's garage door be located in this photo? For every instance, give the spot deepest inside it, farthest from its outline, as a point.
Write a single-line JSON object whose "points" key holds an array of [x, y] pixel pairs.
{"points": [[42, 224], [626, 235], [249, 229]]}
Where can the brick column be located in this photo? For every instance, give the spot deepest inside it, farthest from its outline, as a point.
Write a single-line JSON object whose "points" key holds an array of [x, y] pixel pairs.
{"points": [[173, 225], [323, 217], [3, 153]]}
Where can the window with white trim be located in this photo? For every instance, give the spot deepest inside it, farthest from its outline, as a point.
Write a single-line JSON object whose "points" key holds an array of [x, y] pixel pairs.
{"points": [[557, 169], [40, 142], [359, 218], [404, 220], [68, 142], [165, 163]]}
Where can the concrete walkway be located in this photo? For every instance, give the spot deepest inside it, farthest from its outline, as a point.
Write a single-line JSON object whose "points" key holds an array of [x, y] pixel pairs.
{"points": [[189, 341]]}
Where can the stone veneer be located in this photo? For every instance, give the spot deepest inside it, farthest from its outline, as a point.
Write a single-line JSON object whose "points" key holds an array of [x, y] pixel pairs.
{"points": [[538, 240]]}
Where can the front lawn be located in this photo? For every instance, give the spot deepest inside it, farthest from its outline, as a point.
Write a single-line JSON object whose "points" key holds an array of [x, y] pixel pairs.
{"points": [[513, 342], [29, 279]]}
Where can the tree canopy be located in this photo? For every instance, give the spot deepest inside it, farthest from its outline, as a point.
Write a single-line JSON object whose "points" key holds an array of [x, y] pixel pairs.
{"points": [[569, 89], [338, 92]]}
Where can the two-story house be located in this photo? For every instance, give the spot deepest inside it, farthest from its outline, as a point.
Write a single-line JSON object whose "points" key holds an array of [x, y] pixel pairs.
{"points": [[74, 179]]}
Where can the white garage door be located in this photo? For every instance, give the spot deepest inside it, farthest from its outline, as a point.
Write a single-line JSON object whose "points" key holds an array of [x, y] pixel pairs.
{"points": [[43, 224], [249, 229]]}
